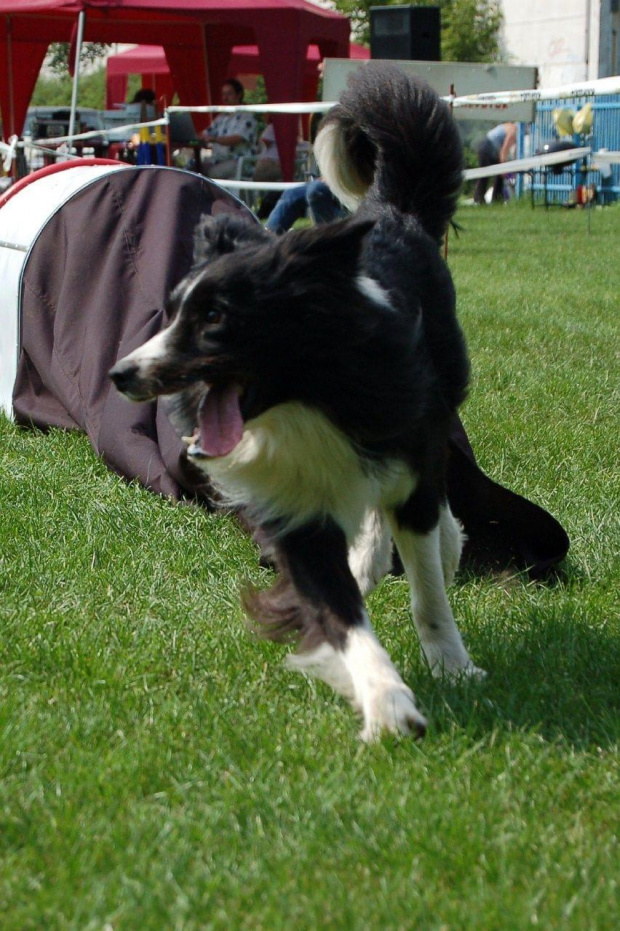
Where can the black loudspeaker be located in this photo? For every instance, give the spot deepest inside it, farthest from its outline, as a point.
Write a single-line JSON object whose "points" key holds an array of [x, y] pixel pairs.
{"points": [[410, 33]]}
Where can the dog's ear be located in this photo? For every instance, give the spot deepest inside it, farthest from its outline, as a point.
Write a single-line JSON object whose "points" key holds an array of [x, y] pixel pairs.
{"points": [[339, 242], [225, 233], [204, 235]]}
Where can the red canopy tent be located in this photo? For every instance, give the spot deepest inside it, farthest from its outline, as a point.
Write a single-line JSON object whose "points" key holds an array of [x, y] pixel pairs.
{"points": [[151, 63], [197, 36]]}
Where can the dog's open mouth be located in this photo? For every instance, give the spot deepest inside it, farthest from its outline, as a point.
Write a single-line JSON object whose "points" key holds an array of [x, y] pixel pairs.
{"points": [[220, 423]]}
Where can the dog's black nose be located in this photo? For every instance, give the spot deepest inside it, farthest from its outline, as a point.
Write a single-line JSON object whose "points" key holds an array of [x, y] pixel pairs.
{"points": [[124, 375]]}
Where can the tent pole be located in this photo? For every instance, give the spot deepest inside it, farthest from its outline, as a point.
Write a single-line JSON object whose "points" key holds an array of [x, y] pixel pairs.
{"points": [[9, 60], [12, 129], [76, 77]]}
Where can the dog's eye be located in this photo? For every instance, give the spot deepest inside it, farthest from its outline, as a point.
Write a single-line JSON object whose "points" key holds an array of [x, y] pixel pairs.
{"points": [[213, 316]]}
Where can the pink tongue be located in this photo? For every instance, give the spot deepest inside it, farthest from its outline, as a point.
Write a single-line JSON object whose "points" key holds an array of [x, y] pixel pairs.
{"points": [[221, 423]]}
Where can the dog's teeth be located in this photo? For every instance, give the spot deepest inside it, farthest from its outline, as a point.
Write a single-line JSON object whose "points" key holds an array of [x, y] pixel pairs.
{"points": [[189, 440]]}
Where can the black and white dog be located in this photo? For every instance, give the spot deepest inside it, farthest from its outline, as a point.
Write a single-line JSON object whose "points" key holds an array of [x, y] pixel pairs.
{"points": [[317, 375]]}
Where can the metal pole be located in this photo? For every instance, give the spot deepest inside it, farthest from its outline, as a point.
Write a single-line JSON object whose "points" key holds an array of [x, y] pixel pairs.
{"points": [[76, 77], [445, 240]]}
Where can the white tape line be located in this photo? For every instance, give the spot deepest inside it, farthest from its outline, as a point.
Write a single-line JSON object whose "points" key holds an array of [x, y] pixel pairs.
{"points": [[583, 89], [600, 86], [308, 107], [608, 158], [95, 133], [8, 152], [526, 164], [236, 185], [471, 174]]}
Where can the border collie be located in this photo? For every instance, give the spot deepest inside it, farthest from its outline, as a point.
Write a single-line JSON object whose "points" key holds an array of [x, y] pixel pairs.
{"points": [[316, 375]]}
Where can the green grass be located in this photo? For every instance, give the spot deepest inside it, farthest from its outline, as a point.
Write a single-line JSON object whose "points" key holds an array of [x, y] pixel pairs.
{"points": [[159, 769]]}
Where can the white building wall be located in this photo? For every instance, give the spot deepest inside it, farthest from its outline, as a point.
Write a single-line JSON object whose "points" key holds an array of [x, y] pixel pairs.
{"points": [[560, 37]]}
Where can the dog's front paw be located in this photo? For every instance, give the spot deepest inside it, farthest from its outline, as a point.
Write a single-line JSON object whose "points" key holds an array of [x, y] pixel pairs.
{"points": [[448, 659], [471, 671], [457, 671], [392, 709]]}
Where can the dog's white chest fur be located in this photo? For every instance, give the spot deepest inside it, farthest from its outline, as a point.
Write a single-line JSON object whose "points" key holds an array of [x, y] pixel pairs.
{"points": [[293, 465]]}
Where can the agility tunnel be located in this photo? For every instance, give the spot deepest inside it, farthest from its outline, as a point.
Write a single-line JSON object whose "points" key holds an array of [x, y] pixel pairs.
{"points": [[89, 252]]}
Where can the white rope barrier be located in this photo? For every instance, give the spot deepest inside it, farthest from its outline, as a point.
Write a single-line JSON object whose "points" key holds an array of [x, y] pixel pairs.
{"points": [[97, 133], [470, 174], [605, 157], [527, 164], [9, 152], [597, 87], [236, 184], [307, 107], [583, 89]]}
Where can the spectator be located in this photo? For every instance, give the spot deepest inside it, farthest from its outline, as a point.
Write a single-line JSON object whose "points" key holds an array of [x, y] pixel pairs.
{"points": [[230, 135], [146, 94], [143, 105], [493, 149], [313, 198]]}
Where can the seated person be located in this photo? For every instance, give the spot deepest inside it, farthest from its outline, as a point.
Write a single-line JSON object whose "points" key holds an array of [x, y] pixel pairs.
{"points": [[143, 105], [313, 199], [230, 135]]}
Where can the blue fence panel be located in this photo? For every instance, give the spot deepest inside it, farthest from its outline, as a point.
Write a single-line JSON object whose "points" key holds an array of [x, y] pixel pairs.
{"points": [[605, 134]]}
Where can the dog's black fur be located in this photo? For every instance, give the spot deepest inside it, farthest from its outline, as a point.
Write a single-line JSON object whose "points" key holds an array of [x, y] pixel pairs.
{"points": [[288, 324]]}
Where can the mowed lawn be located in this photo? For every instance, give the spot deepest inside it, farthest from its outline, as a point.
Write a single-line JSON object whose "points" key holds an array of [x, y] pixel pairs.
{"points": [[161, 771]]}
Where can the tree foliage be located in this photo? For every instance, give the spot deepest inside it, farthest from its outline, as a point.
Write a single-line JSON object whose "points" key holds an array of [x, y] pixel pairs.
{"points": [[56, 91], [472, 30], [58, 55], [469, 28]]}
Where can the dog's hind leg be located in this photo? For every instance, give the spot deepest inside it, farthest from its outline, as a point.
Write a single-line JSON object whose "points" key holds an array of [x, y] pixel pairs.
{"points": [[427, 544], [321, 604], [370, 556]]}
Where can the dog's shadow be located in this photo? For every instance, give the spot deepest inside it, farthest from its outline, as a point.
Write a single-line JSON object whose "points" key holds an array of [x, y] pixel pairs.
{"points": [[557, 678]]}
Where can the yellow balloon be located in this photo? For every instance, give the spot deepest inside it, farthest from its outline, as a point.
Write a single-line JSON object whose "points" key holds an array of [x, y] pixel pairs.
{"points": [[563, 121], [584, 120]]}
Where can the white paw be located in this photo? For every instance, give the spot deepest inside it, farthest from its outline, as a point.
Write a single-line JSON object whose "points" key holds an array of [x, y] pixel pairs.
{"points": [[448, 658], [456, 671], [470, 672], [392, 709]]}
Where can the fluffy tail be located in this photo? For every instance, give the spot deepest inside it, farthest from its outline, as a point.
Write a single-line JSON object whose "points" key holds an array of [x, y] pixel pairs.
{"points": [[391, 137]]}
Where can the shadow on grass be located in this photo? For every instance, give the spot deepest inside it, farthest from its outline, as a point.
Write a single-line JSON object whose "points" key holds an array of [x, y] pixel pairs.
{"points": [[559, 679], [568, 574]]}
